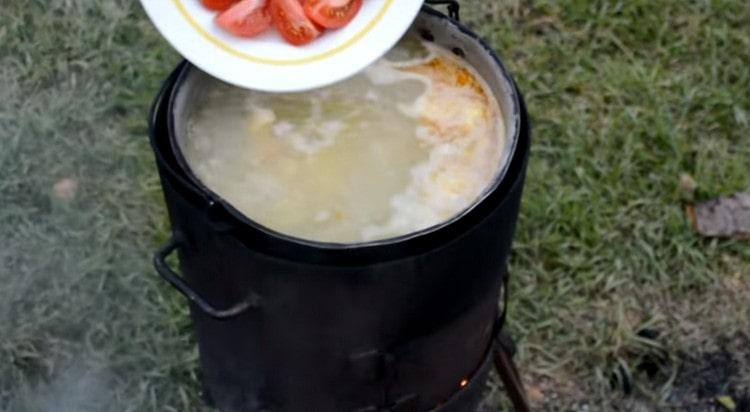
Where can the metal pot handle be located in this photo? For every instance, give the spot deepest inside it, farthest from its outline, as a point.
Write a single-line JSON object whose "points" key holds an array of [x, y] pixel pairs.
{"points": [[454, 8], [160, 263]]}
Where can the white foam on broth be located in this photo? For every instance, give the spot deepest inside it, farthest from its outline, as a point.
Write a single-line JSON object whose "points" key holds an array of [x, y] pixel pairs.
{"points": [[407, 144]]}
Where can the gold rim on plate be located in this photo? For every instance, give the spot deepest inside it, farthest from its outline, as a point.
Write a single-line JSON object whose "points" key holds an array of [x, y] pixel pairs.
{"points": [[275, 62]]}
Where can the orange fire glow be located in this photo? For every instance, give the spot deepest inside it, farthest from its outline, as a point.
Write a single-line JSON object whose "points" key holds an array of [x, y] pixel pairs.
{"points": [[464, 382]]}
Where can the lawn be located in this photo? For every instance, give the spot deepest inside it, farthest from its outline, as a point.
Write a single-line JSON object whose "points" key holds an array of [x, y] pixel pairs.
{"points": [[616, 303]]}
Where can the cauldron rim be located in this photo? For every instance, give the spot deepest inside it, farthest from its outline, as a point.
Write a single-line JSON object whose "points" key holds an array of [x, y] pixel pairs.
{"points": [[237, 218]]}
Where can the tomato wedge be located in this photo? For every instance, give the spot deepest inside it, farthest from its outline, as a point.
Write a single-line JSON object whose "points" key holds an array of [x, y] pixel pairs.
{"points": [[219, 5], [332, 14], [247, 18], [292, 22]]}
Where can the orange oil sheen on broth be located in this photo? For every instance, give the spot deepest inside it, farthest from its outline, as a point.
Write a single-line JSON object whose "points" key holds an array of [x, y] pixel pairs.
{"points": [[409, 143]]}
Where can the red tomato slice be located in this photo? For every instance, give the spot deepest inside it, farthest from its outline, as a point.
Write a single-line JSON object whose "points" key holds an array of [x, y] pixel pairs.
{"points": [[291, 21], [219, 5], [247, 18], [332, 14]]}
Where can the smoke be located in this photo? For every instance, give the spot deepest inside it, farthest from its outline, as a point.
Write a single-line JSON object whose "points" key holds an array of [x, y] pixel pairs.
{"points": [[84, 324], [80, 388], [50, 330]]}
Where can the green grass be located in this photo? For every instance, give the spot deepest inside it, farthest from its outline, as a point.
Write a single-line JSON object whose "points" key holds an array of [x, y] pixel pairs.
{"points": [[625, 97], [84, 324]]}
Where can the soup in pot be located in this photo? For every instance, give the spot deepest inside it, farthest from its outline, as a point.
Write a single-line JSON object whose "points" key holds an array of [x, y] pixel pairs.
{"points": [[407, 144]]}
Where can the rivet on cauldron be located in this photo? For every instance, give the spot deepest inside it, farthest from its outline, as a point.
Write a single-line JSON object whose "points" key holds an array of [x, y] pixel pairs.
{"points": [[369, 366], [371, 408], [426, 35], [406, 403]]}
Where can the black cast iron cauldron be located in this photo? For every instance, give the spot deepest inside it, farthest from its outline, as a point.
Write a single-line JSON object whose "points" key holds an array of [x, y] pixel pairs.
{"points": [[284, 324]]}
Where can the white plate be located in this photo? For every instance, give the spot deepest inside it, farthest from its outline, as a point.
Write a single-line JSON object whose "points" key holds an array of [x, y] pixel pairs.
{"points": [[267, 62]]}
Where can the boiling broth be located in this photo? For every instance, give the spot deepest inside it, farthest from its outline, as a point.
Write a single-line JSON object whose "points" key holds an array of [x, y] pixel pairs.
{"points": [[409, 143]]}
